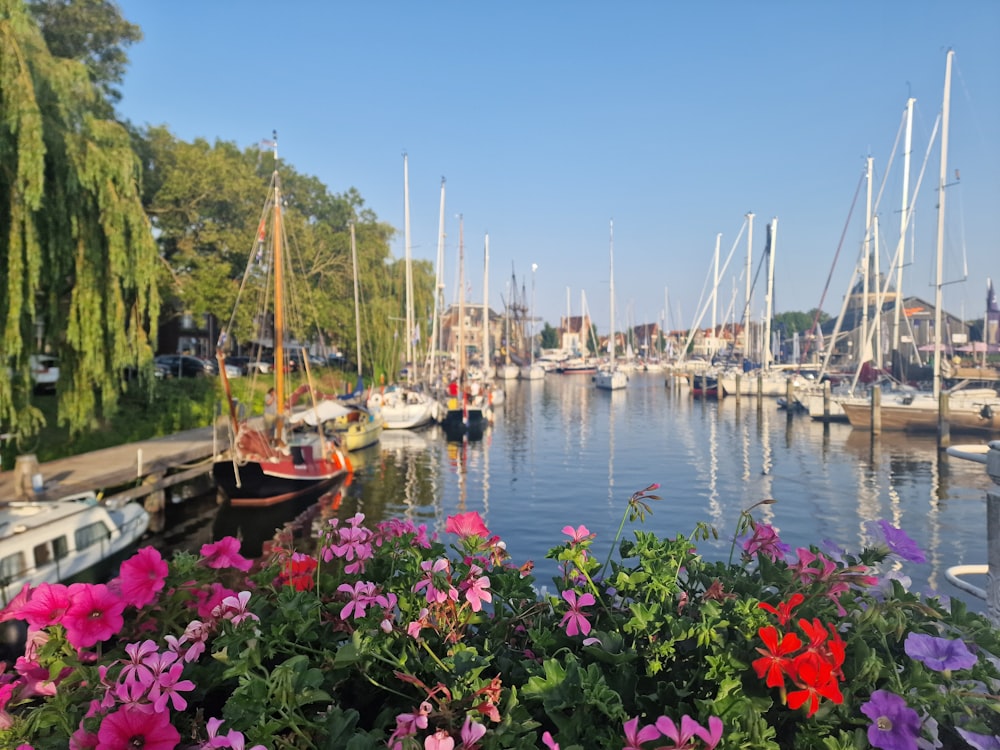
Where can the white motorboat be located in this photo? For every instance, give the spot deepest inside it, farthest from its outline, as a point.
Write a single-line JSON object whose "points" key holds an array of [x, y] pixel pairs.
{"points": [[54, 540]]}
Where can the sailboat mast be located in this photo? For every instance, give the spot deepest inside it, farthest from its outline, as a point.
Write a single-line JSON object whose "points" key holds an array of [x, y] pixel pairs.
{"points": [[435, 345], [942, 176], [357, 301], [866, 265], [772, 231], [279, 302], [903, 221], [486, 307], [461, 297], [749, 286], [611, 286], [715, 293], [409, 264]]}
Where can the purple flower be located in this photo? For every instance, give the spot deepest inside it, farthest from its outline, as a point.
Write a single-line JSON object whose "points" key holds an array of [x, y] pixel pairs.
{"points": [[899, 543], [980, 741], [939, 654], [895, 726]]}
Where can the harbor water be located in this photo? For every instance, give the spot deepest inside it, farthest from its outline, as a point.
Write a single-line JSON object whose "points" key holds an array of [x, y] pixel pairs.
{"points": [[562, 453]]}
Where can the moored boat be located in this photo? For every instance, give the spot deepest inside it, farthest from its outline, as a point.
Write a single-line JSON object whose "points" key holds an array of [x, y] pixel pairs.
{"points": [[56, 540]]}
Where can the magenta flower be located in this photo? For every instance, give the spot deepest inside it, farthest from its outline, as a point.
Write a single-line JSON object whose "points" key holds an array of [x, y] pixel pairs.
{"points": [[634, 737], [549, 742], [765, 542], [899, 542], [895, 726], [466, 525], [576, 621], [135, 666], [225, 553], [939, 654], [680, 737], [353, 544], [209, 601], [362, 594], [142, 577], [94, 614], [129, 728], [47, 605], [437, 569]]}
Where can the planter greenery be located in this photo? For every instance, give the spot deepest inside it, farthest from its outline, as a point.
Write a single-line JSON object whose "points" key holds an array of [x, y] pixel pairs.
{"points": [[388, 636]]}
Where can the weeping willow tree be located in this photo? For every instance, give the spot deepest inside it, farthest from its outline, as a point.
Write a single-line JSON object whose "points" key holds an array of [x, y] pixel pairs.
{"points": [[78, 259]]}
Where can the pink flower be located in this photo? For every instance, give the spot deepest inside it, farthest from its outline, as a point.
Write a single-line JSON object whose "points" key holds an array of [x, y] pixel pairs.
{"points": [[167, 689], [225, 553], [234, 609], [634, 737], [129, 728], [439, 569], [48, 603], [135, 666], [574, 620], [13, 610], [472, 732], [577, 535], [362, 594], [142, 577], [94, 614], [208, 601], [550, 743], [478, 590], [440, 740], [466, 525]]}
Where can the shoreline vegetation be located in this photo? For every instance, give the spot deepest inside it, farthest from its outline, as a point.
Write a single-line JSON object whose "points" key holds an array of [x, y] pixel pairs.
{"points": [[389, 636]]}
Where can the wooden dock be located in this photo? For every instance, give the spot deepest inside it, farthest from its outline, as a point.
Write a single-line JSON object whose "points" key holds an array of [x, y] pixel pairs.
{"points": [[125, 472]]}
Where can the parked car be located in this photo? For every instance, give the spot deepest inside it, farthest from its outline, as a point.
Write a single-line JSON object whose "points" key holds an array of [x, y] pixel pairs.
{"points": [[44, 372], [183, 366]]}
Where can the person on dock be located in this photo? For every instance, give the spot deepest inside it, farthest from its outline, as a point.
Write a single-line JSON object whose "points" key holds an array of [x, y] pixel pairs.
{"points": [[270, 411]]}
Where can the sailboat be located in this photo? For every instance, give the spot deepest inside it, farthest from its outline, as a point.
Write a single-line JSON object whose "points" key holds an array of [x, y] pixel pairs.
{"points": [[403, 407], [507, 369], [466, 414], [359, 427], [972, 410], [270, 460], [532, 370], [609, 377]]}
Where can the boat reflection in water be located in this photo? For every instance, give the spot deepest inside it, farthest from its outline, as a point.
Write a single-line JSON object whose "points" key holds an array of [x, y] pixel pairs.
{"points": [[562, 453]]}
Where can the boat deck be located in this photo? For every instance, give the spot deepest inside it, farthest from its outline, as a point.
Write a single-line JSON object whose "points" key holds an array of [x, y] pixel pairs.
{"points": [[144, 464]]}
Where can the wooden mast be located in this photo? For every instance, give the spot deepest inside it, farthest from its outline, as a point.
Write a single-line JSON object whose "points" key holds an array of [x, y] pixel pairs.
{"points": [[279, 301]]}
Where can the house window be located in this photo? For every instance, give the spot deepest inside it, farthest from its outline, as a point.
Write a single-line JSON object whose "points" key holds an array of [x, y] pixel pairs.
{"points": [[91, 534]]}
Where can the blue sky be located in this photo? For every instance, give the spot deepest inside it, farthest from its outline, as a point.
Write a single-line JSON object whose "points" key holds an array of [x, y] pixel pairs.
{"points": [[549, 119]]}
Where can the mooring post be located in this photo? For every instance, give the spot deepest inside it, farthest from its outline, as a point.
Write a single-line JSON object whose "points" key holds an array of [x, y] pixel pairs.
{"points": [[826, 401], [789, 397], [737, 394], [993, 535], [876, 410], [944, 420]]}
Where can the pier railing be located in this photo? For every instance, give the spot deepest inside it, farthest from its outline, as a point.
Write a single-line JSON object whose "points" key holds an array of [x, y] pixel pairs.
{"points": [[991, 458]]}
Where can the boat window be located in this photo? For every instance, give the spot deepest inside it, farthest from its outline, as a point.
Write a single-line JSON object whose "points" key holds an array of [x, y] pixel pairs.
{"points": [[91, 534], [60, 547], [12, 566], [43, 554]]}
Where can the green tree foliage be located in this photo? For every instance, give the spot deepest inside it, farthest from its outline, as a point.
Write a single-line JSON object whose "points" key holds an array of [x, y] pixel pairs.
{"points": [[550, 337], [92, 32], [798, 322], [76, 250]]}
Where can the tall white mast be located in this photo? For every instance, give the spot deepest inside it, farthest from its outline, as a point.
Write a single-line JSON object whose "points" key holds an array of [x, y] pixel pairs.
{"points": [[487, 359], [903, 221], [749, 287], [769, 299], [863, 354], [611, 285], [461, 297], [942, 176], [409, 266], [715, 293], [435, 346]]}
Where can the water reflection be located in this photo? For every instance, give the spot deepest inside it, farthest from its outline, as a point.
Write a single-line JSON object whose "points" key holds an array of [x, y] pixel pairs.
{"points": [[560, 453]]}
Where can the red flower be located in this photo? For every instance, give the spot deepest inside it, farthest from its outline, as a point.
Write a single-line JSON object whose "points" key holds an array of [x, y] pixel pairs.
{"points": [[775, 659], [297, 571], [142, 577], [130, 727], [816, 679], [94, 614], [784, 609]]}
